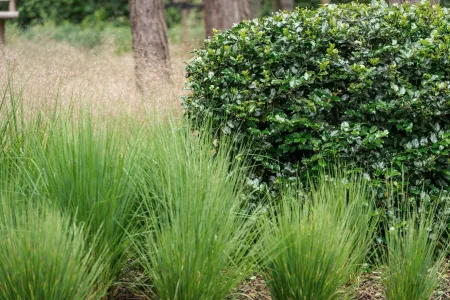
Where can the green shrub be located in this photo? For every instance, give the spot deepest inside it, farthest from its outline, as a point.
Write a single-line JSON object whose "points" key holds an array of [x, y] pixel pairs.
{"points": [[364, 84], [315, 243], [84, 35], [75, 11]]}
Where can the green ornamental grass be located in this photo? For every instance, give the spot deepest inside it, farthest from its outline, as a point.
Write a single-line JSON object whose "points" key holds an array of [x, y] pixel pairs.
{"points": [[412, 258], [76, 164], [86, 170], [45, 256], [315, 243], [197, 244]]}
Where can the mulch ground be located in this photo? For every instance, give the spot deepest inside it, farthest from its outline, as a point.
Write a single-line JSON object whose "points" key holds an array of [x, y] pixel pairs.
{"points": [[370, 287], [253, 288]]}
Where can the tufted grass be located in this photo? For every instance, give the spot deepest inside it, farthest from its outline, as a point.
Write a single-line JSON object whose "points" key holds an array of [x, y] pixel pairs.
{"points": [[414, 255], [197, 242], [74, 164], [45, 256], [315, 243]]}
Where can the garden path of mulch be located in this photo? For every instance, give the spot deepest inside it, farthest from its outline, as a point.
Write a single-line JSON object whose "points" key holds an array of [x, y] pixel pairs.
{"points": [[370, 287], [255, 288]]}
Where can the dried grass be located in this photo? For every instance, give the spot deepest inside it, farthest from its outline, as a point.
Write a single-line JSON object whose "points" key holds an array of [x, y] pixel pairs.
{"points": [[49, 73]]}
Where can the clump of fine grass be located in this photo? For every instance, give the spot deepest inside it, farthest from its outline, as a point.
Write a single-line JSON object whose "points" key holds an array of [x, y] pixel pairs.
{"points": [[45, 256], [86, 170], [74, 164], [198, 239], [412, 260], [316, 242]]}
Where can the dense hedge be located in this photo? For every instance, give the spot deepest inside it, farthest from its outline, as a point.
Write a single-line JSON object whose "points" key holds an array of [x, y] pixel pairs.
{"points": [[77, 11], [366, 84], [74, 11]]}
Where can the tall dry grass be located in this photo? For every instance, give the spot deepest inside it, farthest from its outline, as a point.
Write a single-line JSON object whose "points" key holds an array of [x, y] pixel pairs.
{"points": [[50, 73]]}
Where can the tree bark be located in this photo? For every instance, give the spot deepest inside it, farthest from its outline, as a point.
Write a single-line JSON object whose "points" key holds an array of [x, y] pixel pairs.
{"points": [[222, 14], [150, 43], [256, 6], [185, 21], [283, 5], [2, 34], [432, 2]]}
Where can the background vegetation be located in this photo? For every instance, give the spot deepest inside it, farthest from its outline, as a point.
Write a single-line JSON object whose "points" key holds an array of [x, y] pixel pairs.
{"points": [[108, 191]]}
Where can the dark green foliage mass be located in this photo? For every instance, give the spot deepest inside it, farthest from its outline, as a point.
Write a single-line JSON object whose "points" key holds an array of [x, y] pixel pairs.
{"points": [[368, 85], [77, 11]]}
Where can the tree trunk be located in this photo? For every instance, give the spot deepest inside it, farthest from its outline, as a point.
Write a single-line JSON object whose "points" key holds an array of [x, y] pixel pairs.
{"points": [[256, 6], [185, 21], [283, 5], [222, 14], [150, 43], [432, 2], [2, 34]]}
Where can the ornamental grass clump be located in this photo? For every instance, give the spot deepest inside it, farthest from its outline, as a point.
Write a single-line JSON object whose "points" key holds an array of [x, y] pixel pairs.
{"points": [[85, 169], [414, 256], [315, 243], [45, 256], [367, 84], [199, 235], [75, 163]]}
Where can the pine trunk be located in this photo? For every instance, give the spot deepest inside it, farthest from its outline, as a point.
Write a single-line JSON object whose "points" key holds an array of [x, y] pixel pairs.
{"points": [[185, 21], [283, 5], [287, 5], [150, 43], [222, 14], [256, 6]]}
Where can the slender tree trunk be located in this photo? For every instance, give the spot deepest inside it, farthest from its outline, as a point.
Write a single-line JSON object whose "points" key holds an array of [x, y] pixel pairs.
{"points": [[185, 21], [150, 43], [2, 34], [222, 14], [256, 6], [432, 2], [283, 5], [288, 5], [185, 11], [276, 5]]}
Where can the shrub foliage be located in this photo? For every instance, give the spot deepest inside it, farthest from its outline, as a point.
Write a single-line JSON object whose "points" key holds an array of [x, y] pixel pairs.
{"points": [[364, 84]]}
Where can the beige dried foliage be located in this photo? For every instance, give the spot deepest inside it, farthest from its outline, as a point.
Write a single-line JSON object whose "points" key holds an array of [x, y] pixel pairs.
{"points": [[49, 73]]}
